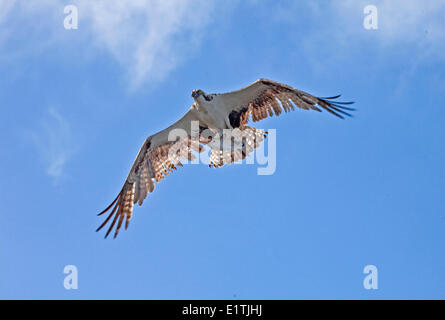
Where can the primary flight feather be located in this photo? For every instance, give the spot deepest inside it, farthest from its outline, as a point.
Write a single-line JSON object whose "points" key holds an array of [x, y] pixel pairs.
{"points": [[215, 114]]}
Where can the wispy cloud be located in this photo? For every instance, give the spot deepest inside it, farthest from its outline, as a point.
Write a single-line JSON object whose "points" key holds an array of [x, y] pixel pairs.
{"points": [[416, 22], [149, 38], [415, 27], [53, 140], [412, 31]]}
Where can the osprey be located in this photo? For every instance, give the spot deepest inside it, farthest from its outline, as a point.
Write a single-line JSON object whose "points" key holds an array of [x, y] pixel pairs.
{"points": [[215, 113]]}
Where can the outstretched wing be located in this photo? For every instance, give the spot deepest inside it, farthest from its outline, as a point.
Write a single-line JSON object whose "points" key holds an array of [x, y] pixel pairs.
{"points": [[261, 99], [265, 97], [157, 157]]}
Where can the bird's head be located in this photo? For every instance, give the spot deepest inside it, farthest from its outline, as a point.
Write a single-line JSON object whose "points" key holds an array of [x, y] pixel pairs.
{"points": [[200, 96], [197, 93]]}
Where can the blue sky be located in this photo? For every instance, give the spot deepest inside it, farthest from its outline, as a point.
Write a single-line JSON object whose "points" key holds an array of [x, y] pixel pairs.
{"points": [[76, 106]]}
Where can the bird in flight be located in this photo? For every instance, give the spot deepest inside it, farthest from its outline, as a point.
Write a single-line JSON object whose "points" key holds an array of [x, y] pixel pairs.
{"points": [[206, 123]]}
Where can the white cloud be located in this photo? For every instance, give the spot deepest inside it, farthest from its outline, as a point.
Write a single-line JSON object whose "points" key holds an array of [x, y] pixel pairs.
{"points": [[413, 30], [149, 38], [54, 142], [417, 22]]}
